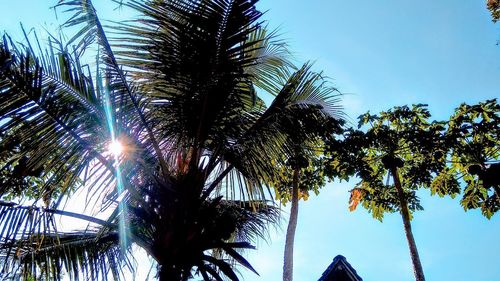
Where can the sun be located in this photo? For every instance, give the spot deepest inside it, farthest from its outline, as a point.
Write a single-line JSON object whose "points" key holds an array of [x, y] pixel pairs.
{"points": [[116, 148]]}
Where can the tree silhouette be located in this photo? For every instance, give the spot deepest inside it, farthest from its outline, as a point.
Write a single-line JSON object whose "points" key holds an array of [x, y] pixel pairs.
{"points": [[178, 90]]}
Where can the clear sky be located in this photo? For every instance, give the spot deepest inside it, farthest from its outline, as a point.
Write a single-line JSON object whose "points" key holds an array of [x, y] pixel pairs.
{"points": [[380, 54]]}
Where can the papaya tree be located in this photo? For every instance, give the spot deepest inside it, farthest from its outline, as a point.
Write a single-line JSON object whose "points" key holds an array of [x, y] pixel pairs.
{"points": [[473, 135], [494, 8], [398, 152]]}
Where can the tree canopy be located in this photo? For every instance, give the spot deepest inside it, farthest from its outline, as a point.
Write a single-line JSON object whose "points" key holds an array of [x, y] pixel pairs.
{"points": [[474, 137], [177, 87], [401, 150], [402, 137]]}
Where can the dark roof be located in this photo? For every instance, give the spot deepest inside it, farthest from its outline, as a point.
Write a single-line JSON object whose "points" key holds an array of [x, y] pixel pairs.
{"points": [[340, 270]]}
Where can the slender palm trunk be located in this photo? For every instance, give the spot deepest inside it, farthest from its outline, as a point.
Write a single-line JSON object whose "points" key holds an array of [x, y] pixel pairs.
{"points": [[290, 232], [417, 266]]}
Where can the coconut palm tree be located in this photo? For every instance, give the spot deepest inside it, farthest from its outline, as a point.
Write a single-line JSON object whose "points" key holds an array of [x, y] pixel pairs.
{"points": [[302, 175], [165, 133]]}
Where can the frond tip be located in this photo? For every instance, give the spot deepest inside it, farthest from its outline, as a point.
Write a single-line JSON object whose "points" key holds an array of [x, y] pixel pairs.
{"points": [[35, 248]]}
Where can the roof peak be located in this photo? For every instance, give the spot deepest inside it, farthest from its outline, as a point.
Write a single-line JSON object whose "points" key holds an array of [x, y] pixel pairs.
{"points": [[340, 267]]}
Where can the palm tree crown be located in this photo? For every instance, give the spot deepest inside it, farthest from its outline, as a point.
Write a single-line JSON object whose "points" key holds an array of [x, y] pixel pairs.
{"points": [[178, 89]]}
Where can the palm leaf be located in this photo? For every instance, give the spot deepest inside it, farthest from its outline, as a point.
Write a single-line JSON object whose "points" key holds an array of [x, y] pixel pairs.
{"points": [[51, 118], [31, 242], [85, 14]]}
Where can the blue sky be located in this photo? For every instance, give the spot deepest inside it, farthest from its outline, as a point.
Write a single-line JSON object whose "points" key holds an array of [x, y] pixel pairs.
{"points": [[380, 54]]}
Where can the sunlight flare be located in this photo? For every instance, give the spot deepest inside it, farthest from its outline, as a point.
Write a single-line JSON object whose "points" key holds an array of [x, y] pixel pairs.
{"points": [[116, 148]]}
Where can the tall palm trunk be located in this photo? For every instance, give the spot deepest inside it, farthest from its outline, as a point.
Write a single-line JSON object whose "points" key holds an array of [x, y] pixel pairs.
{"points": [[417, 266], [290, 232]]}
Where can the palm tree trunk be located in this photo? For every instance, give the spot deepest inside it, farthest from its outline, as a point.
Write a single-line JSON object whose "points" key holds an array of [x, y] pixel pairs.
{"points": [[417, 266], [169, 273], [290, 232]]}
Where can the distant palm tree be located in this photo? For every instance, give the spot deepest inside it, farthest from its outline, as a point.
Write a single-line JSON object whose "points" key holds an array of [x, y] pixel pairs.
{"points": [[194, 144], [303, 174]]}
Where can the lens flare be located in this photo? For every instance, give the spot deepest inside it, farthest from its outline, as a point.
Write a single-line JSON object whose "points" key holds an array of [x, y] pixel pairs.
{"points": [[116, 148]]}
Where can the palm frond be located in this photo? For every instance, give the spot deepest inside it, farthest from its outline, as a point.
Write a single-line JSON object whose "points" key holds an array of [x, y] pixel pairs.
{"points": [[271, 60], [31, 243], [87, 255], [53, 121], [85, 15], [191, 58], [301, 110]]}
